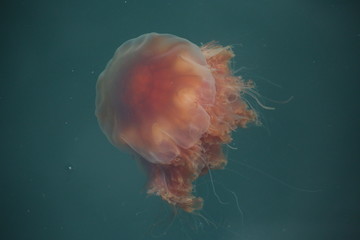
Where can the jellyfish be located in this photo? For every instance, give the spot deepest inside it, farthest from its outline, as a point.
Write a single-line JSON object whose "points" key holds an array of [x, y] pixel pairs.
{"points": [[174, 104]]}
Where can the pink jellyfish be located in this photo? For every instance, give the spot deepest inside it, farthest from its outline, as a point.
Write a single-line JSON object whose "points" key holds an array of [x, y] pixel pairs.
{"points": [[174, 104]]}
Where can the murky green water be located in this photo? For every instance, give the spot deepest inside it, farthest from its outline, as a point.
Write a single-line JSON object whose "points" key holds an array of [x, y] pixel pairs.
{"points": [[294, 177]]}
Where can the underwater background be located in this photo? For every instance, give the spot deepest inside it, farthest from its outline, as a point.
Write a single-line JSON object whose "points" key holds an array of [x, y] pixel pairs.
{"points": [[296, 176]]}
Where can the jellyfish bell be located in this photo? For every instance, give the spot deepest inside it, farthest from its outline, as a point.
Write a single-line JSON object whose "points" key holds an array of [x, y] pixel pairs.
{"points": [[174, 104], [152, 95]]}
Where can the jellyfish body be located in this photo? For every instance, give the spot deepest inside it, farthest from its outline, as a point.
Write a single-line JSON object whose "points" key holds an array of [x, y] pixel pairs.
{"points": [[174, 104]]}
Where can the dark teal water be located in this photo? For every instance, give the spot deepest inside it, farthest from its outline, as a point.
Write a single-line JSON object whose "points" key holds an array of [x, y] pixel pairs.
{"points": [[294, 177]]}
